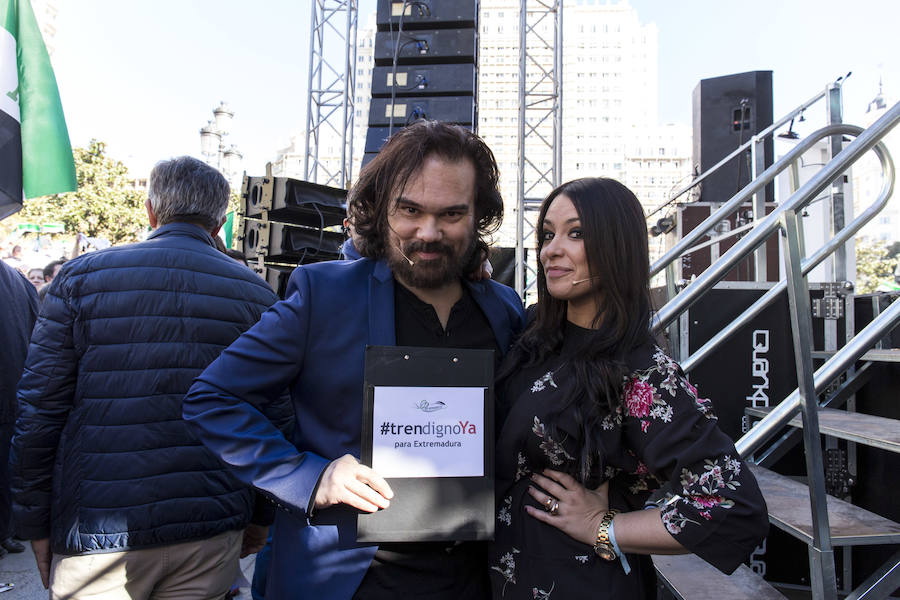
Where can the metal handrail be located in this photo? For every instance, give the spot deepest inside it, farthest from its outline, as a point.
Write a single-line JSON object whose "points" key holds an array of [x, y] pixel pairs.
{"points": [[749, 191], [824, 375], [758, 235], [887, 188], [749, 143]]}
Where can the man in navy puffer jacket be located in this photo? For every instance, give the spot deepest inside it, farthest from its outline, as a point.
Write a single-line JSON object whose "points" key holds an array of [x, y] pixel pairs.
{"points": [[107, 479]]}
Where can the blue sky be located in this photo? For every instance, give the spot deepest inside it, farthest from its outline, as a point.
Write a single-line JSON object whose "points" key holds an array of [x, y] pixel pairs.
{"points": [[144, 75]]}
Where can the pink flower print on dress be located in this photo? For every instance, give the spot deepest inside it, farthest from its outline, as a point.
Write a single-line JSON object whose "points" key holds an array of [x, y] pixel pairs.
{"points": [[639, 398], [708, 501], [692, 389]]}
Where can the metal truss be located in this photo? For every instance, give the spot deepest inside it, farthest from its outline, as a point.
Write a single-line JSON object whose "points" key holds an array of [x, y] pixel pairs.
{"points": [[540, 122], [329, 108]]}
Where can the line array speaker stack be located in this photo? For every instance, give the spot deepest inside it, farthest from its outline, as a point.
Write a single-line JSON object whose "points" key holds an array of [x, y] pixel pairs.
{"points": [[425, 57], [286, 223]]}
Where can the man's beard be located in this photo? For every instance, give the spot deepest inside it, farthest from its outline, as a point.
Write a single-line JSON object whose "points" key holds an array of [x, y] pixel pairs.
{"points": [[434, 273]]}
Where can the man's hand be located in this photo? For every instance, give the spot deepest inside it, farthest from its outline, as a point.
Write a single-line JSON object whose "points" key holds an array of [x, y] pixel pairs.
{"points": [[487, 269], [345, 481], [484, 271], [43, 556], [254, 539]]}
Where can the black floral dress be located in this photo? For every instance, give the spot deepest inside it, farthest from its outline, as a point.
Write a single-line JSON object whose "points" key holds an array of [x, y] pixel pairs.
{"points": [[663, 449]]}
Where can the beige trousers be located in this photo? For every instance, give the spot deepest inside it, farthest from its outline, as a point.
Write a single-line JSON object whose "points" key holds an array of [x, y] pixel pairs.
{"points": [[201, 570]]}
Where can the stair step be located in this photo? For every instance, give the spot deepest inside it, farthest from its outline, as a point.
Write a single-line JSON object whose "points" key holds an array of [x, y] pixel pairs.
{"points": [[789, 510], [689, 577], [870, 430], [875, 355]]}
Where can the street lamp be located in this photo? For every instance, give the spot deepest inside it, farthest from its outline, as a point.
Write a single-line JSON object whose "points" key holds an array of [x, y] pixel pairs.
{"points": [[212, 142], [231, 160], [223, 116]]}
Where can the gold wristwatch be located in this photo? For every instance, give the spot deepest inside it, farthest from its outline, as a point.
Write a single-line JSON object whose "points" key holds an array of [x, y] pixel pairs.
{"points": [[604, 546]]}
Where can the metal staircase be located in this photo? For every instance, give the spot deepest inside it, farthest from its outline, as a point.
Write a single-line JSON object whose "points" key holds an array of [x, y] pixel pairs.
{"points": [[822, 405]]}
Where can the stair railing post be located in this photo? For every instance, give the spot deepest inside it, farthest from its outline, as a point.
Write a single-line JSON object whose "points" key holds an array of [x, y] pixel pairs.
{"points": [[821, 554]]}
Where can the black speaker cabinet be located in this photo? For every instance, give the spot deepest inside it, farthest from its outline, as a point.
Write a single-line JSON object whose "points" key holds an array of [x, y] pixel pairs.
{"points": [[426, 14], [289, 244], [459, 110], [367, 158], [728, 111], [427, 46], [423, 80], [376, 137], [294, 201], [276, 276]]}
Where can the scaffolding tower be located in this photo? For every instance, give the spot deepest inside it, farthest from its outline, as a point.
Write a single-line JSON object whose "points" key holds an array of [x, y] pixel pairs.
{"points": [[329, 108], [540, 121]]}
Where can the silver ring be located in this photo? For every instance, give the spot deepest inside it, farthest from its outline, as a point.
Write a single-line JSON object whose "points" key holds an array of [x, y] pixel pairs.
{"points": [[554, 510]]}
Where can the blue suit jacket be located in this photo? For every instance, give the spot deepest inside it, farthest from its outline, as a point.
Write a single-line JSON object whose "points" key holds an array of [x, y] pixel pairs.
{"points": [[314, 342]]}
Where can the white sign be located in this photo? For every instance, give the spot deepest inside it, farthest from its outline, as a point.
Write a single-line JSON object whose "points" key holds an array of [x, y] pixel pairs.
{"points": [[428, 431]]}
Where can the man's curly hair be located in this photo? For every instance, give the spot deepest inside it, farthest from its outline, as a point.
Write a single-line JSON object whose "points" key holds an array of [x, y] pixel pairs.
{"points": [[380, 182]]}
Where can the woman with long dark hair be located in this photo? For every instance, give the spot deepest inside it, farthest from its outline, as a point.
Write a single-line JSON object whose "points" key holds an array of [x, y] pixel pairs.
{"points": [[606, 454]]}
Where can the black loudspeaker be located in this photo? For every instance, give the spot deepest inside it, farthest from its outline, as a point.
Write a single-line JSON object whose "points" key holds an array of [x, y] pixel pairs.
{"points": [[294, 201], [377, 136], [367, 158], [292, 244], [727, 111], [427, 46], [276, 276], [425, 14], [423, 80], [459, 110]]}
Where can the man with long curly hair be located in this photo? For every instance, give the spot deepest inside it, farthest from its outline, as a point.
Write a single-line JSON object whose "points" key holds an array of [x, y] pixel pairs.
{"points": [[421, 210]]}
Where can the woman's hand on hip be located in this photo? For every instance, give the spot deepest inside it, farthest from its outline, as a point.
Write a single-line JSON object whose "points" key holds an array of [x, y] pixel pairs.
{"points": [[568, 505]]}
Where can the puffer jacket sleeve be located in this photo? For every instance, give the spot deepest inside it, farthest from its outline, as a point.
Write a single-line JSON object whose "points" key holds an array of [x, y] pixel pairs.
{"points": [[45, 398], [231, 404]]}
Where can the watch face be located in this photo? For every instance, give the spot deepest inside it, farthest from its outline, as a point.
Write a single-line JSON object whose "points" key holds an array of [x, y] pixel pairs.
{"points": [[605, 552]]}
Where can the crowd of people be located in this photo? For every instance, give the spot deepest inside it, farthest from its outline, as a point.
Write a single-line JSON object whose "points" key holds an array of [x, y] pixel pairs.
{"points": [[30, 266], [172, 415]]}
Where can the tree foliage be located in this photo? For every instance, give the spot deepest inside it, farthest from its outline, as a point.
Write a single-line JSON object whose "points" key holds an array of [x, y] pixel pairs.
{"points": [[105, 205], [875, 264]]}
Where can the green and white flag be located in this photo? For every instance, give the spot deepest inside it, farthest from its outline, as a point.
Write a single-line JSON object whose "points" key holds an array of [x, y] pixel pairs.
{"points": [[35, 153]]}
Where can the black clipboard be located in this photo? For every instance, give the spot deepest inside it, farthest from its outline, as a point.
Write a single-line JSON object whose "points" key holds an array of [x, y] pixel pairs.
{"points": [[429, 509]]}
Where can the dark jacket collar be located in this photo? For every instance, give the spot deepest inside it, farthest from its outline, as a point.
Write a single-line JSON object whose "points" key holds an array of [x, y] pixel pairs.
{"points": [[183, 229]]}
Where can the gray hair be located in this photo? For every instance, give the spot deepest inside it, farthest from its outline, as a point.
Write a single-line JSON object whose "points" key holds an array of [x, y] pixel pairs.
{"points": [[185, 189]]}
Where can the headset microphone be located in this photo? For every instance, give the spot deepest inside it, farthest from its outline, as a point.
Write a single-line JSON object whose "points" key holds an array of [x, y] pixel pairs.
{"points": [[576, 282], [411, 263]]}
